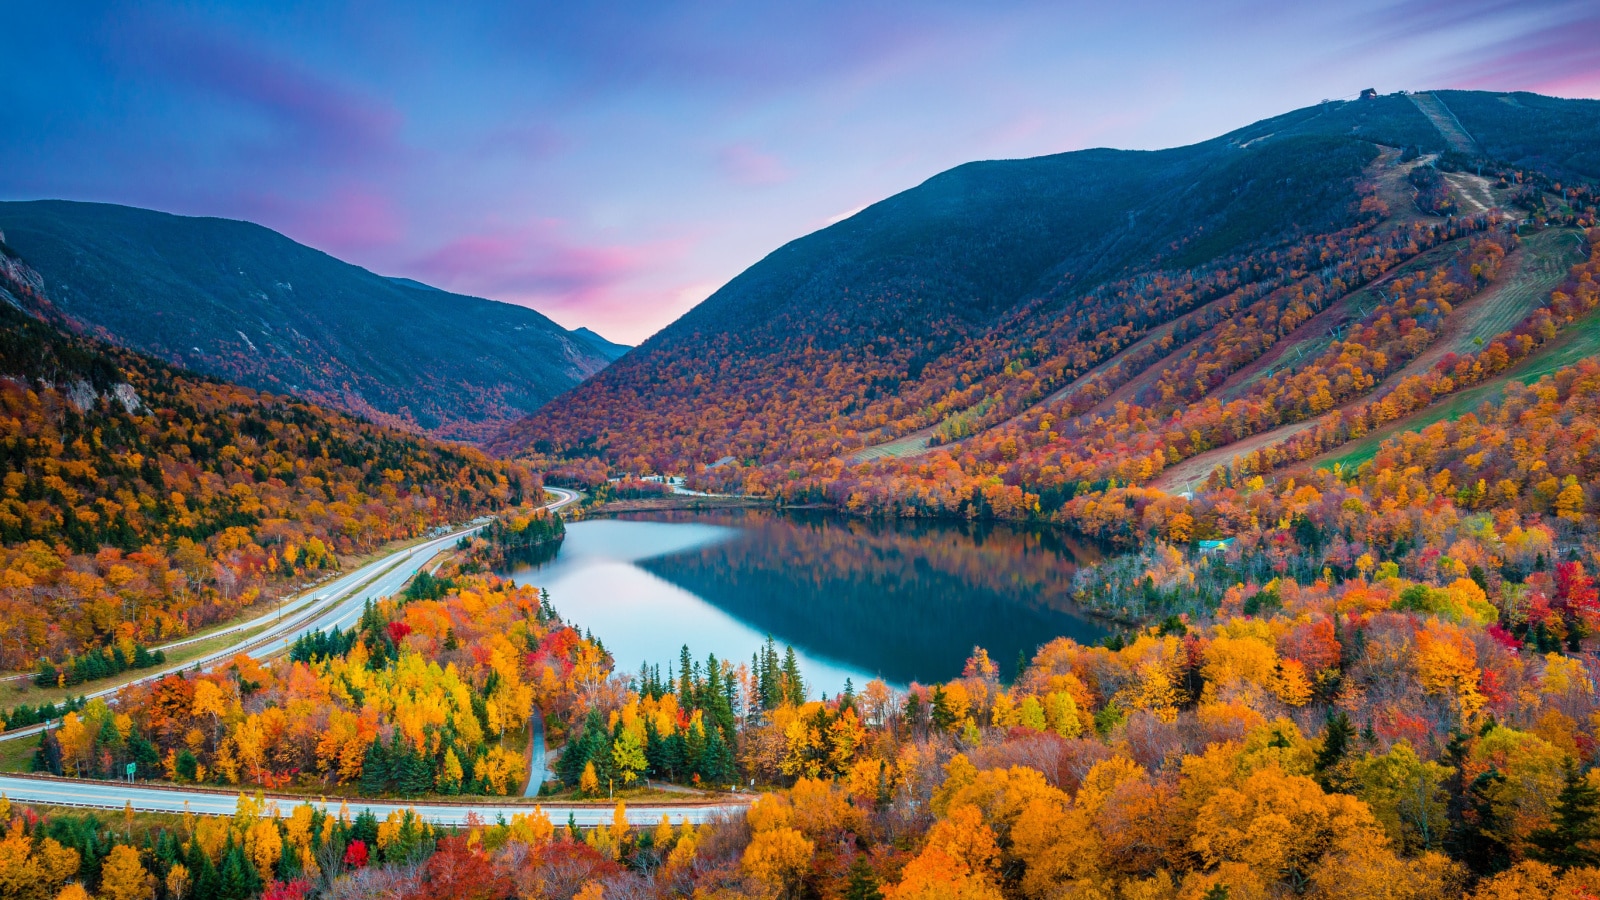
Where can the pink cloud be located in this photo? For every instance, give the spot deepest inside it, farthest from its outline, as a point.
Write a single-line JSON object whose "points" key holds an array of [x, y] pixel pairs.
{"points": [[746, 164], [353, 219], [1562, 60], [308, 114], [536, 265], [342, 221]]}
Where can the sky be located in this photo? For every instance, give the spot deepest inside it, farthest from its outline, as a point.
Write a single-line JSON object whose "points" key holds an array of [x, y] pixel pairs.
{"points": [[611, 165]]}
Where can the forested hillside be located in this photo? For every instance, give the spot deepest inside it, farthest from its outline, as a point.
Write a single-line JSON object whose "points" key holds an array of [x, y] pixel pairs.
{"points": [[1379, 689], [1341, 423], [1012, 339], [861, 331], [141, 502], [241, 302]]}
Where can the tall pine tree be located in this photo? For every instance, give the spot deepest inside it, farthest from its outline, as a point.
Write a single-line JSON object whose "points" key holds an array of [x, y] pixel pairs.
{"points": [[1572, 839], [794, 687]]}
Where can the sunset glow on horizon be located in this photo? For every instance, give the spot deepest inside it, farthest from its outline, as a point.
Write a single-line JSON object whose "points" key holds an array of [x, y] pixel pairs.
{"points": [[611, 167]]}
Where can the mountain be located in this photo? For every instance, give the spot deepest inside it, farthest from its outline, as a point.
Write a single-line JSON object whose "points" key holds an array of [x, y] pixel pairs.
{"points": [[1050, 290], [609, 350], [142, 501], [242, 302], [882, 298]]}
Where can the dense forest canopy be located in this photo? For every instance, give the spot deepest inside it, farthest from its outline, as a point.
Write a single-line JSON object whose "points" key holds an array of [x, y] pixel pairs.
{"points": [[142, 502], [1330, 385]]}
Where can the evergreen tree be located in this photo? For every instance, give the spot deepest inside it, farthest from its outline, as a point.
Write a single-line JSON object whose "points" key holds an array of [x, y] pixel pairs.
{"points": [[943, 718], [730, 699], [755, 673], [1331, 764], [1479, 837], [793, 686], [143, 754], [186, 765], [717, 702], [415, 775], [655, 763], [770, 682], [913, 713], [713, 686], [570, 764], [676, 756], [1572, 839], [863, 883], [239, 877], [685, 682], [365, 828], [694, 749], [716, 759], [48, 757], [375, 770], [203, 875], [597, 748]]}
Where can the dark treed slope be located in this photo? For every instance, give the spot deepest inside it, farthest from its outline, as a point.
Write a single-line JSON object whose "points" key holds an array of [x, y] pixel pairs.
{"points": [[1559, 136], [140, 502], [609, 350], [952, 306], [886, 294], [245, 303]]}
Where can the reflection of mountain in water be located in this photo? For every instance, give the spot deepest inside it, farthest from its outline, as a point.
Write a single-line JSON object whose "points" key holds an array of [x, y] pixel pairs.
{"points": [[906, 599]]}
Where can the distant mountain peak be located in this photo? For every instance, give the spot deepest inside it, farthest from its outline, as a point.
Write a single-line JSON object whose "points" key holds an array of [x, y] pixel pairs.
{"points": [[608, 349], [242, 302], [958, 300]]}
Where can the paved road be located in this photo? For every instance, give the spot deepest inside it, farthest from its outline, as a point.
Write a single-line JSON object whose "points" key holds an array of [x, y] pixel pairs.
{"points": [[536, 755], [347, 596], [113, 795], [345, 599]]}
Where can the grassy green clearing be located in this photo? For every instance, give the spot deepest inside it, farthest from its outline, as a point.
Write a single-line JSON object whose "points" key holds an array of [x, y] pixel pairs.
{"points": [[23, 690], [1581, 339], [1547, 258], [900, 448], [17, 755]]}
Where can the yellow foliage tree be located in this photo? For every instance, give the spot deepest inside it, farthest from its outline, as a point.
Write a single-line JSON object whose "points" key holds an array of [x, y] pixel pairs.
{"points": [[123, 876], [778, 858]]}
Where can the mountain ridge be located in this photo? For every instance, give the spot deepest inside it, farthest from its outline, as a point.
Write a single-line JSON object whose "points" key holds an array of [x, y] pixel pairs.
{"points": [[995, 286], [237, 300]]}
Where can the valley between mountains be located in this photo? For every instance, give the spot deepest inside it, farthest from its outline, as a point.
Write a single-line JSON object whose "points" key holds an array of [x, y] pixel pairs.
{"points": [[1212, 522]]}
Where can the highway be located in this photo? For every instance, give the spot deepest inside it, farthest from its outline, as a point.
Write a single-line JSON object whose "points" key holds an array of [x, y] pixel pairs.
{"points": [[113, 795], [538, 760], [338, 604]]}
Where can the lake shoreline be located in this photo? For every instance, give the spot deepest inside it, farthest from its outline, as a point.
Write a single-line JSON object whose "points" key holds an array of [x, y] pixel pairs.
{"points": [[675, 502], [680, 503], [855, 596]]}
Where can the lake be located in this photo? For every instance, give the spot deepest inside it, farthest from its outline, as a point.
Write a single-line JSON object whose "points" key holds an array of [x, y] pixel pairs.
{"points": [[899, 600]]}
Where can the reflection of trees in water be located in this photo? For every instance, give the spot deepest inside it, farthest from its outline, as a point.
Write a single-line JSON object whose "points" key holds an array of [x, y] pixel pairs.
{"points": [[511, 558], [907, 599]]}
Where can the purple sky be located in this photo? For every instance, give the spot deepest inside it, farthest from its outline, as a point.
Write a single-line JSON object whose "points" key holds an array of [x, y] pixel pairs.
{"points": [[612, 168]]}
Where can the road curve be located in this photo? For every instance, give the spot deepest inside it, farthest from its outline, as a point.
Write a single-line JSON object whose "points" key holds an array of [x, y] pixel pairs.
{"points": [[46, 790], [536, 754], [348, 594]]}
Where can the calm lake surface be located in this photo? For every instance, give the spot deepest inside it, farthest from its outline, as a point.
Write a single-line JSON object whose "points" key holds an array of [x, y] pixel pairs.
{"points": [[901, 601]]}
